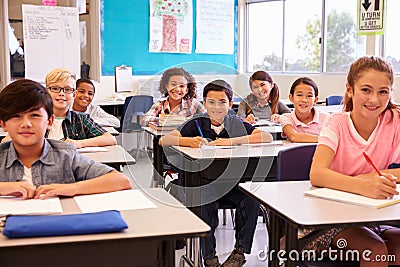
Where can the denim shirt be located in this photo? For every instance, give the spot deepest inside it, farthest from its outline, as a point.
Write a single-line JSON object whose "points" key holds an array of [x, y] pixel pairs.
{"points": [[59, 163]]}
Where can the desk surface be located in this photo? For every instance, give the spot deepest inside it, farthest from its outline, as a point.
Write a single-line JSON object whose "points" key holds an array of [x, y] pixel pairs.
{"points": [[311, 211], [242, 151], [111, 130], [115, 155], [169, 220]]}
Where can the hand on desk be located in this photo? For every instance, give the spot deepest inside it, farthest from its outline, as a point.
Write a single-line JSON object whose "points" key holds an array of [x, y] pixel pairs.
{"points": [[197, 141], [77, 143], [275, 118], [221, 142], [53, 190], [17, 189], [250, 119], [376, 186], [26, 191]]}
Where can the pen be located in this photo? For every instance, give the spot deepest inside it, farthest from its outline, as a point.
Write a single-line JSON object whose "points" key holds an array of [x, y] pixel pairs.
{"points": [[371, 163], [198, 127]]}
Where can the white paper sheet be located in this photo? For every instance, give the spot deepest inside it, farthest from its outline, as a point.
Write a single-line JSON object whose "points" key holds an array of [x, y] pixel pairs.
{"points": [[91, 149], [18, 206], [120, 200]]}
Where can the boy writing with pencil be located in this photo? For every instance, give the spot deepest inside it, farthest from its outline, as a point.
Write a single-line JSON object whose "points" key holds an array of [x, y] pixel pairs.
{"points": [[32, 166], [222, 129]]}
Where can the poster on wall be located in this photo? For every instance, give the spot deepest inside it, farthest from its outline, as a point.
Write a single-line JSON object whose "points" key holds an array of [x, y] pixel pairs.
{"points": [[51, 39], [215, 27], [171, 26], [371, 17]]}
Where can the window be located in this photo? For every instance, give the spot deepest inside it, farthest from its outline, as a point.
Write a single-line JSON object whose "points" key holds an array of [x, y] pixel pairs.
{"points": [[283, 37], [392, 38]]}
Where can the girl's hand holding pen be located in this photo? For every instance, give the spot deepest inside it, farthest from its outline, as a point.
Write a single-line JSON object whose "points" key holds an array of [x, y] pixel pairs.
{"points": [[378, 186], [250, 119]]}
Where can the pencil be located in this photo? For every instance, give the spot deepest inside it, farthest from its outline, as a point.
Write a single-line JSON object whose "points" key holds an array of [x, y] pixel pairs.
{"points": [[371, 163]]}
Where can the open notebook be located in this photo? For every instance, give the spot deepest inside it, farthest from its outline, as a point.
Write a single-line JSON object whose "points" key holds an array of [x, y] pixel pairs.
{"points": [[351, 198]]}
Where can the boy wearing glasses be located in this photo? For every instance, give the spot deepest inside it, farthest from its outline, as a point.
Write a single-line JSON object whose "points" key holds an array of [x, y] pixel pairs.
{"points": [[73, 127], [218, 128]]}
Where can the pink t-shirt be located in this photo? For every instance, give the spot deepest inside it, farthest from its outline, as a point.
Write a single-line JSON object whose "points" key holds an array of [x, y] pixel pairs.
{"points": [[382, 146], [313, 127]]}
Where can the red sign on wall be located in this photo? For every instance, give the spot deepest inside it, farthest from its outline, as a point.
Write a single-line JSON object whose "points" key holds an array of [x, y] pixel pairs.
{"points": [[49, 2]]}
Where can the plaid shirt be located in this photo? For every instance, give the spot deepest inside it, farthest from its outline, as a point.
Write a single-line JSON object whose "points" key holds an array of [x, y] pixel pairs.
{"points": [[78, 126], [187, 108]]}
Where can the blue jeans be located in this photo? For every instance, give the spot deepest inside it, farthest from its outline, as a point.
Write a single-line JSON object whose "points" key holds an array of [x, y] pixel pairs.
{"points": [[246, 215]]}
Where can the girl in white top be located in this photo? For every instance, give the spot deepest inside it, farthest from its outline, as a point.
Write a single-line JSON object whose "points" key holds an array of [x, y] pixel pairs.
{"points": [[83, 103], [370, 124], [304, 123]]}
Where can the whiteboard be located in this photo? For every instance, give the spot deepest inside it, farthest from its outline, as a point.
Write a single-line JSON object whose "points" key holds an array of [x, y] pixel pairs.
{"points": [[51, 40]]}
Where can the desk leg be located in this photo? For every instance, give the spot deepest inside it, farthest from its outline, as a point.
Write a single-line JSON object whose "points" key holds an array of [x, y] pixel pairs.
{"points": [[291, 243], [273, 237], [192, 256], [157, 163]]}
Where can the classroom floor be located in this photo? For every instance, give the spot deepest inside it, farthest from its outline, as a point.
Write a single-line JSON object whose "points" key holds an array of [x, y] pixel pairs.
{"points": [[141, 174]]}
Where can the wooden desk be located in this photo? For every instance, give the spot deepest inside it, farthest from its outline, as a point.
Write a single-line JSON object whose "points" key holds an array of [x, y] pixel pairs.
{"points": [[149, 240], [286, 200], [116, 156]]}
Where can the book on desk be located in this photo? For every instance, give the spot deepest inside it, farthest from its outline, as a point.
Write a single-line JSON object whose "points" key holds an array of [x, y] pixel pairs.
{"points": [[346, 197], [167, 122], [264, 122]]}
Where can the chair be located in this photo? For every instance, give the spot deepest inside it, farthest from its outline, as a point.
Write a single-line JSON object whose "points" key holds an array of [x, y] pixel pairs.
{"points": [[135, 106], [293, 164], [334, 100]]}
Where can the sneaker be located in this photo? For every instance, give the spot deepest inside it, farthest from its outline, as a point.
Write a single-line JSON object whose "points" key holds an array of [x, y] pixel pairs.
{"points": [[234, 260], [213, 262]]}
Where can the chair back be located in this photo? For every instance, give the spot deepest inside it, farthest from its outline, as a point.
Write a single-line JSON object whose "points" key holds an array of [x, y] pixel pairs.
{"points": [[293, 164], [334, 100], [134, 106]]}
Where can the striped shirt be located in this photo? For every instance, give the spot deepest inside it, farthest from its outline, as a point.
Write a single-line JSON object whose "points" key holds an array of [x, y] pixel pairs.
{"points": [[187, 108], [78, 126]]}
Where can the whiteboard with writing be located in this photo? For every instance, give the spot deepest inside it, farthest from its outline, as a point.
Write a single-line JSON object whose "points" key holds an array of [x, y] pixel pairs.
{"points": [[51, 39]]}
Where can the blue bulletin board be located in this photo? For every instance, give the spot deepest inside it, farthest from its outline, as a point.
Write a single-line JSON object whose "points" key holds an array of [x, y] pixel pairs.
{"points": [[125, 41]]}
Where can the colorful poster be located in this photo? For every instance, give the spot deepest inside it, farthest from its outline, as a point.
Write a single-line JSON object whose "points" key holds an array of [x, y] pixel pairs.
{"points": [[171, 26], [215, 26]]}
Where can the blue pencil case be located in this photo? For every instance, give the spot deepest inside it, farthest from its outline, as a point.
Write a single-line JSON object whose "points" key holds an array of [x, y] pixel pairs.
{"points": [[59, 225]]}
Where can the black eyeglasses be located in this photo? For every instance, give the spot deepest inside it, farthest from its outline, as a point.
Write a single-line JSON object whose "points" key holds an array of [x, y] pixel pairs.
{"points": [[66, 90]]}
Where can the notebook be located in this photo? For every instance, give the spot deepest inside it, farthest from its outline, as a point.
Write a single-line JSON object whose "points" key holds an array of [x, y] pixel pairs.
{"points": [[264, 122], [351, 198]]}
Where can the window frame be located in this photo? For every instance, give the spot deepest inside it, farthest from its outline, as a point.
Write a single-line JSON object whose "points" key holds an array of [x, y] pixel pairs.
{"points": [[374, 43]]}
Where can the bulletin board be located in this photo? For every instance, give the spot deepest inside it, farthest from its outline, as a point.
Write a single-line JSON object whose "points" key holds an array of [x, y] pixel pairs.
{"points": [[125, 41]]}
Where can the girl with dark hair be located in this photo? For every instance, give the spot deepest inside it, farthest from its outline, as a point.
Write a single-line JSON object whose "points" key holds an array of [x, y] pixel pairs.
{"points": [[263, 101], [304, 123], [179, 88]]}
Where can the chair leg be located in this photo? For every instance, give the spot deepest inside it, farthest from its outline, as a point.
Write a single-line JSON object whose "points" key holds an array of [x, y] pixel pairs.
{"points": [[139, 139], [233, 218]]}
